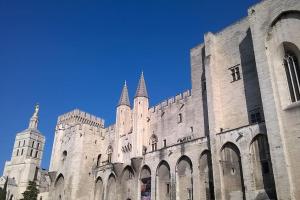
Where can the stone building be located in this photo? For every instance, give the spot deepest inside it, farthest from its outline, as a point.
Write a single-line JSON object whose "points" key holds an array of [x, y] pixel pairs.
{"points": [[25, 163], [233, 136]]}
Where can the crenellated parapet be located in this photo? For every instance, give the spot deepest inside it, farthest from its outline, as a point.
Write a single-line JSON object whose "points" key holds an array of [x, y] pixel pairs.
{"points": [[166, 103], [78, 116]]}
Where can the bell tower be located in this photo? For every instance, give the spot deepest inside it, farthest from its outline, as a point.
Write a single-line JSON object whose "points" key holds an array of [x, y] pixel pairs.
{"points": [[26, 156]]}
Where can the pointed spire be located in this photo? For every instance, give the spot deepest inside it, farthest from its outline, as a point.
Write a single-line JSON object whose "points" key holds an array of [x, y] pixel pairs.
{"points": [[33, 124], [124, 99], [141, 90]]}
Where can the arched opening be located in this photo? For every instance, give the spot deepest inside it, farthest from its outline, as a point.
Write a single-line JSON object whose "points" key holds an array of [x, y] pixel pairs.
{"points": [[262, 166], [206, 176], [163, 181], [59, 187], [145, 183], [184, 178], [128, 186], [99, 189], [292, 70], [111, 190], [98, 160], [233, 183], [64, 155]]}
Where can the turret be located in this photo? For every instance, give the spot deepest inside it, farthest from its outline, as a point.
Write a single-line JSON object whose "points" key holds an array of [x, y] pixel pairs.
{"points": [[123, 120], [140, 118]]}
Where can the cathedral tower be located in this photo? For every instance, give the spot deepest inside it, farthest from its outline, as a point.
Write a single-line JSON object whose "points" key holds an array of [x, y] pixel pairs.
{"points": [[26, 157], [140, 117]]}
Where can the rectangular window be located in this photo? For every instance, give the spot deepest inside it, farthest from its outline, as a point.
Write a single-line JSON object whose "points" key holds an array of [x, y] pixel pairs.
{"points": [[36, 154], [235, 72], [17, 152], [32, 144], [168, 188], [19, 144], [22, 152], [255, 116], [165, 142]]}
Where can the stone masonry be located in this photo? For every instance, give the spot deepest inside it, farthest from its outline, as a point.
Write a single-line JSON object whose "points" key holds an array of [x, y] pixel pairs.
{"points": [[233, 136]]}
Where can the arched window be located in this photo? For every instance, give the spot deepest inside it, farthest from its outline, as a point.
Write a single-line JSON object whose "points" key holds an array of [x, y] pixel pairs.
{"points": [[36, 154], [17, 152], [64, 155], [292, 70], [99, 160], [179, 119]]}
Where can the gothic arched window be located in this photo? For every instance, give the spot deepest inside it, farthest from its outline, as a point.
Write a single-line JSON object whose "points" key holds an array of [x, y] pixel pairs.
{"points": [[292, 70]]}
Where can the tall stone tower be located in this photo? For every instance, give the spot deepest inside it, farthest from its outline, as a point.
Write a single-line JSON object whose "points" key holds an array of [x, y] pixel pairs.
{"points": [[140, 118], [123, 121], [26, 157]]}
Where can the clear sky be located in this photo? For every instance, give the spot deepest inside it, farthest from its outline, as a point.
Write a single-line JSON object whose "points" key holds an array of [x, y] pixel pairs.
{"points": [[76, 54]]}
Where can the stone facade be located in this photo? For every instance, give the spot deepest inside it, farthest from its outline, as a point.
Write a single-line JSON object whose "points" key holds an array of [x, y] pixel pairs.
{"points": [[232, 136], [25, 162]]}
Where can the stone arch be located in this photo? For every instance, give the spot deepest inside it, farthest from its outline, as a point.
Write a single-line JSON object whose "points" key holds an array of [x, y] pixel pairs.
{"points": [[128, 187], [184, 178], [262, 167], [285, 14], [59, 187], [286, 77], [145, 181], [111, 188], [206, 175], [232, 173], [163, 181], [98, 195]]}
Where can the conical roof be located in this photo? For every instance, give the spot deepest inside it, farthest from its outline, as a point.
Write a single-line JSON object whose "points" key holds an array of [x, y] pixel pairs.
{"points": [[141, 89], [124, 99]]}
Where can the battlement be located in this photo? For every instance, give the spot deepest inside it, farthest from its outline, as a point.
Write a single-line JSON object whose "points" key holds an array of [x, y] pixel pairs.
{"points": [[109, 128], [170, 101], [81, 117]]}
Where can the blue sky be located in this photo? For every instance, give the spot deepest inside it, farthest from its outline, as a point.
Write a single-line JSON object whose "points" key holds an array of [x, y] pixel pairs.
{"points": [[77, 54]]}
